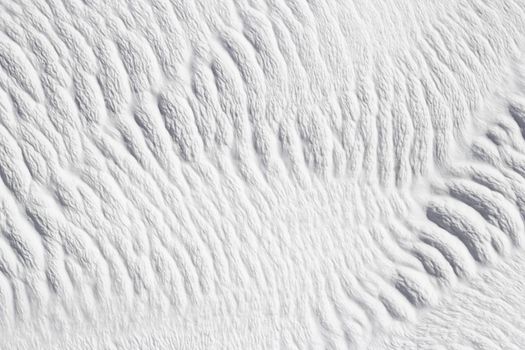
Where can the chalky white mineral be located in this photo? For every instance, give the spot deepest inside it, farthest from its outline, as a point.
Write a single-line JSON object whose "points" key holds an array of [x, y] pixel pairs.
{"points": [[262, 174]]}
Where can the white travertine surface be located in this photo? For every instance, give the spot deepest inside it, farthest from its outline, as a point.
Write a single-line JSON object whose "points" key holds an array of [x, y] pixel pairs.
{"points": [[262, 174]]}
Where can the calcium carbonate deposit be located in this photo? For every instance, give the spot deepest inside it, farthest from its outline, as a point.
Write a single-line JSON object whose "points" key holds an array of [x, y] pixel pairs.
{"points": [[262, 174]]}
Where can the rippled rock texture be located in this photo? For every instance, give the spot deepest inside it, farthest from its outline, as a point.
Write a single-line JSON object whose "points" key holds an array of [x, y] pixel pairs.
{"points": [[247, 174]]}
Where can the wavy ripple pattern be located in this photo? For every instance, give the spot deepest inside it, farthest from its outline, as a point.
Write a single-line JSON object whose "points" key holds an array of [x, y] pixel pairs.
{"points": [[253, 174]]}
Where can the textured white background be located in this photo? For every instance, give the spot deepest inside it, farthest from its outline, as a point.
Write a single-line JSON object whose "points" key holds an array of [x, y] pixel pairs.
{"points": [[293, 174]]}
